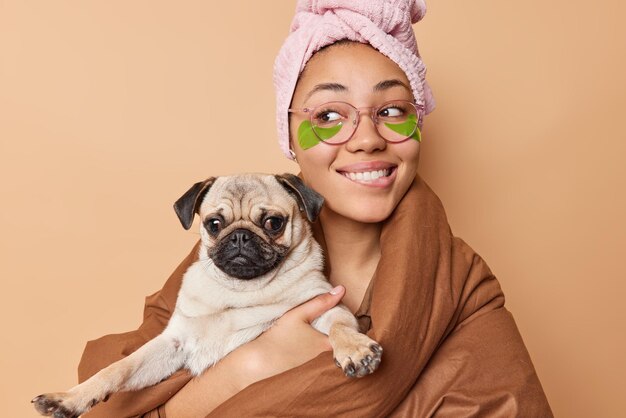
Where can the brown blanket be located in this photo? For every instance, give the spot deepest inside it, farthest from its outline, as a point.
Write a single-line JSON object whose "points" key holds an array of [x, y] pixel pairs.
{"points": [[451, 347]]}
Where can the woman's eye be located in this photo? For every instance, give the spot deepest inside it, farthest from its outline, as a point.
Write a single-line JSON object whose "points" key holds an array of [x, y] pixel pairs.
{"points": [[391, 112], [273, 224], [214, 225], [328, 116]]}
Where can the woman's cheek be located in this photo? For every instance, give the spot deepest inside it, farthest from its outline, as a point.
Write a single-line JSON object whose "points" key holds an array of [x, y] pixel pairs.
{"points": [[315, 163], [408, 151]]}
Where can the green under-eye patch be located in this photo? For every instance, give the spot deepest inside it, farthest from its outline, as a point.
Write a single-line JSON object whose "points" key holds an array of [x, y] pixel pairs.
{"points": [[405, 128], [308, 139]]}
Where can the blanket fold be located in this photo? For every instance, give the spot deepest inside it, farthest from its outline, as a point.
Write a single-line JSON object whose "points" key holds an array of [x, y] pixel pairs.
{"points": [[451, 347]]}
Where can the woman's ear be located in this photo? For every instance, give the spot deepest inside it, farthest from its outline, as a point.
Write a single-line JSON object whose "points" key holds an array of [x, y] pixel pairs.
{"points": [[291, 151], [293, 154]]}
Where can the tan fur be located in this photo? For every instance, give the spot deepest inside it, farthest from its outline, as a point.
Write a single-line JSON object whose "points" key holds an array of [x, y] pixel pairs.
{"points": [[215, 313]]}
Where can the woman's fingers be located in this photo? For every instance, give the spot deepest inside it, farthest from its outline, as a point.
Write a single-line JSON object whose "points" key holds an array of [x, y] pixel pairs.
{"points": [[290, 342], [312, 309]]}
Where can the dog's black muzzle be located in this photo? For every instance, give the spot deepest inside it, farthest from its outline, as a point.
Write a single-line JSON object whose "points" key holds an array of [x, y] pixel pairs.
{"points": [[244, 255]]}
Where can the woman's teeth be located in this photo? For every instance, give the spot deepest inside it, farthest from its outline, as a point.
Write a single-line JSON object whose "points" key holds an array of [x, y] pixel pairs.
{"points": [[368, 175]]}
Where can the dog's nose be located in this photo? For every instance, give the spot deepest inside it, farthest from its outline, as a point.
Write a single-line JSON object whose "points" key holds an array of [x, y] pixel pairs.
{"points": [[239, 238]]}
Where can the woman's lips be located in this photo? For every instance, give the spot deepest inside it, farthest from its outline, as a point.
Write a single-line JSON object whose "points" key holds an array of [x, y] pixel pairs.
{"points": [[374, 174], [366, 166]]}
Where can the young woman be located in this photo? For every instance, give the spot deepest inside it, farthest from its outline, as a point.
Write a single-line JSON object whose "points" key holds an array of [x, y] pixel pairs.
{"points": [[351, 100]]}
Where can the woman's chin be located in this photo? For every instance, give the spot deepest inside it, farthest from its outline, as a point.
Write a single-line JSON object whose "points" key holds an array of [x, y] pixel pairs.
{"points": [[365, 214]]}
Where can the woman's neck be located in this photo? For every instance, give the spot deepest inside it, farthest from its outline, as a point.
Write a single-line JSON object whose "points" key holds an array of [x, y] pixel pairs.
{"points": [[353, 251]]}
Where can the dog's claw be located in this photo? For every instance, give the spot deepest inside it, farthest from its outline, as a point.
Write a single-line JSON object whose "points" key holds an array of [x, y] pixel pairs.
{"points": [[350, 370], [359, 358], [56, 405]]}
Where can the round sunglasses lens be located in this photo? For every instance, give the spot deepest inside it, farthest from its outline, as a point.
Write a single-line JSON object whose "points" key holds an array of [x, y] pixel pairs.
{"points": [[332, 122], [397, 121]]}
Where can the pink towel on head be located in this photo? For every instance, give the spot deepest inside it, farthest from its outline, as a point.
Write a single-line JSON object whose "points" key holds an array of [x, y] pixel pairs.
{"points": [[384, 24]]}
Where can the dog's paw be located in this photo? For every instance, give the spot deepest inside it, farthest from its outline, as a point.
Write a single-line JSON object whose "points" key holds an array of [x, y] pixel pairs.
{"points": [[358, 356], [59, 405]]}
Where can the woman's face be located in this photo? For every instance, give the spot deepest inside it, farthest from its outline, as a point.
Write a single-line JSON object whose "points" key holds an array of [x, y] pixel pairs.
{"points": [[360, 75]]}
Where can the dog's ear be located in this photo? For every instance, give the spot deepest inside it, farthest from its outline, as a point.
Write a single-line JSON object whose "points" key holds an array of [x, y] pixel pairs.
{"points": [[308, 199], [189, 203]]}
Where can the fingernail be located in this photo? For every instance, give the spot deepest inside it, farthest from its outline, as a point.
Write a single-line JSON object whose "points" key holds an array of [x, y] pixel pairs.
{"points": [[336, 290]]}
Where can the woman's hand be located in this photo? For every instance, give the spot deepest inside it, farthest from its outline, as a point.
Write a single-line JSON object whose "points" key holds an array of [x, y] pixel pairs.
{"points": [[290, 342]]}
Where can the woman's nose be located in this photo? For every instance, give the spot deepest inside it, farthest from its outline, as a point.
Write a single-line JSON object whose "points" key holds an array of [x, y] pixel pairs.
{"points": [[365, 137]]}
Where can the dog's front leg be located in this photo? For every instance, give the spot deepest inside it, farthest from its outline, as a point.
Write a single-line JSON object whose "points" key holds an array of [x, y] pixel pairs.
{"points": [[355, 353], [152, 362]]}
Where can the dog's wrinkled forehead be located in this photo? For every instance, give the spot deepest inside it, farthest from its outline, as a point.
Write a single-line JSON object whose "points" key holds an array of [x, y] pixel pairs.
{"points": [[246, 196]]}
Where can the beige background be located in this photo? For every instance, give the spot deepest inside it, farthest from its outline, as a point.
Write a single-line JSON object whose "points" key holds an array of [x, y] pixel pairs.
{"points": [[109, 110]]}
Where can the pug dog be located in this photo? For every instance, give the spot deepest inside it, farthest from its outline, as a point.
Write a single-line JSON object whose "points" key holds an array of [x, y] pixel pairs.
{"points": [[257, 260]]}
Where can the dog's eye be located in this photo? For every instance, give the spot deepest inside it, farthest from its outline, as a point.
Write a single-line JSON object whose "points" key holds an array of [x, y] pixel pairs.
{"points": [[214, 225], [273, 224]]}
